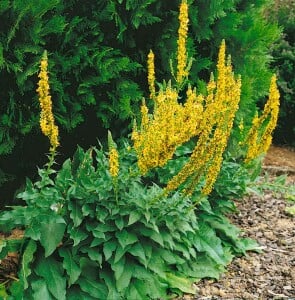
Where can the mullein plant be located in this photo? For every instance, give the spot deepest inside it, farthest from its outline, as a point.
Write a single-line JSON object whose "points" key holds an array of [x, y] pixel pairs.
{"points": [[47, 123], [113, 163], [259, 137], [207, 118]]}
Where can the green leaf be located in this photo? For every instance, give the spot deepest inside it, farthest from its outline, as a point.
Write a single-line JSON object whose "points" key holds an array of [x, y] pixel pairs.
{"points": [[76, 213], [3, 245], [69, 264], [33, 231], [137, 250], [93, 288], [75, 293], [207, 241], [51, 236], [120, 252], [108, 249], [148, 284], [118, 267], [28, 257], [181, 283], [52, 272], [170, 257], [124, 280], [16, 290], [40, 290], [202, 267], [119, 223], [95, 255], [134, 217], [151, 234], [77, 235], [126, 238]]}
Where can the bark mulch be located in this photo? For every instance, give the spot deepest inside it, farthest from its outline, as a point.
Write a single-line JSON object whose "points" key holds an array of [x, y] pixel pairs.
{"points": [[266, 275], [270, 274]]}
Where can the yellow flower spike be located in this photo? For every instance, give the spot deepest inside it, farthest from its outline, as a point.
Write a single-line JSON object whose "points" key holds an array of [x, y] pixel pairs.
{"points": [[114, 162], [47, 125], [259, 142], [151, 74], [214, 129], [182, 71], [113, 157]]}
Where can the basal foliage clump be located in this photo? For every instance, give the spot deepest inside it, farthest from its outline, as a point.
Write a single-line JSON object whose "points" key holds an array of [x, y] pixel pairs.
{"points": [[139, 221]]}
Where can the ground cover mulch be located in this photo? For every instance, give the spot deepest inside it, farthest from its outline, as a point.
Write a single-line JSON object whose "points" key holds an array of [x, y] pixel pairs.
{"points": [[263, 276], [270, 274]]}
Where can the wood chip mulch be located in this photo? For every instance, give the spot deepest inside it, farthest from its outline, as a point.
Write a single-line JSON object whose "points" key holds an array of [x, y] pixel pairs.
{"points": [[266, 275]]}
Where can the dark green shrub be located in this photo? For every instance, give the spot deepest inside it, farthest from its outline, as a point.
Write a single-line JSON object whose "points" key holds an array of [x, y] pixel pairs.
{"points": [[284, 63], [96, 53]]}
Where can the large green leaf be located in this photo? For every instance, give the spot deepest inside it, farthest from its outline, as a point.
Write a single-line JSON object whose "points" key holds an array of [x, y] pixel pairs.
{"points": [[51, 236], [93, 288], [76, 213], [108, 249], [77, 235], [207, 241], [119, 267], [70, 265], [137, 250], [181, 283], [75, 293], [40, 290], [134, 217], [203, 267], [94, 254], [52, 272], [28, 257], [124, 280], [126, 238]]}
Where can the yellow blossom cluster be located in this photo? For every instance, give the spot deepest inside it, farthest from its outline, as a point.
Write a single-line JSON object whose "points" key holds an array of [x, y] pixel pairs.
{"points": [[114, 162], [47, 125], [113, 157], [221, 104], [259, 137], [182, 70], [170, 125], [151, 73]]}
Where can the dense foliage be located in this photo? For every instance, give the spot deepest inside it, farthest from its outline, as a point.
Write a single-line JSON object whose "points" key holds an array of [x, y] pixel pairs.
{"points": [[90, 237], [284, 63], [112, 226], [97, 52]]}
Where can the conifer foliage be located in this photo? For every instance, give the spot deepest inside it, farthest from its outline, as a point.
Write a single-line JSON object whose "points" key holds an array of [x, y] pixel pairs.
{"points": [[97, 56]]}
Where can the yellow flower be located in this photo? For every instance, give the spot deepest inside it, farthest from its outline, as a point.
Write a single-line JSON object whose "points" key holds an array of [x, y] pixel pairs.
{"points": [[214, 129], [259, 137], [182, 71], [114, 162], [170, 125], [151, 73], [47, 125]]}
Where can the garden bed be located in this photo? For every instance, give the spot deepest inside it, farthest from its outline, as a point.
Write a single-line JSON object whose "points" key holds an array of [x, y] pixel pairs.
{"points": [[266, 275]]}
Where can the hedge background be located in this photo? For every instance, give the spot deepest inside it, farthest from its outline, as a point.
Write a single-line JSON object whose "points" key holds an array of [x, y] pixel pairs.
{"points": [[97, 62]]}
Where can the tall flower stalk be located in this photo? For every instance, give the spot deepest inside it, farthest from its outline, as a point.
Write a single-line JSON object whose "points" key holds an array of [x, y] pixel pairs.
{"points": [[151, 74], [182, 70], [221, 105], [113, 164], [259, 137], [47, 123]]}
